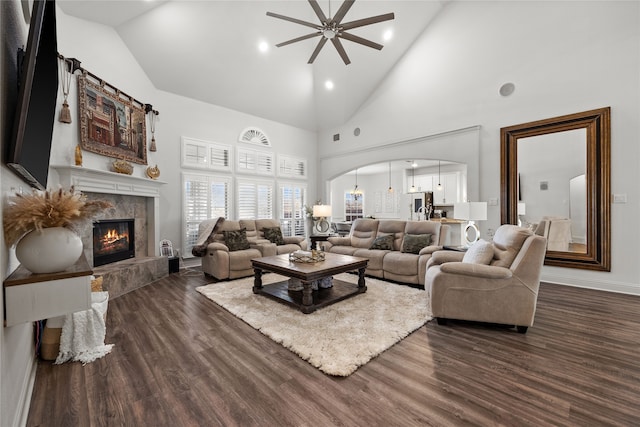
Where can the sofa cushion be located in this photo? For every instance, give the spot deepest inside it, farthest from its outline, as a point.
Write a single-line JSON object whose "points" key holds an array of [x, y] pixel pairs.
{"points": [[383, 242], [507, 242], [481, 252], [427, 227], [236, 240], [412, 243], [274, 235], [363, 232]]}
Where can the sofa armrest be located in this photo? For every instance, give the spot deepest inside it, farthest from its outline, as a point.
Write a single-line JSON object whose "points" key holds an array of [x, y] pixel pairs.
{"points": [[476, 270], [216, 246], [339, 241], [293, 239], [430, 249], [266, 249], [440, 257]]}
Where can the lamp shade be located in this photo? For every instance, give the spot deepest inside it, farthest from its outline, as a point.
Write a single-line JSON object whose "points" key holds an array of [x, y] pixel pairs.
{"points": [[321, 211], [470, 211]]}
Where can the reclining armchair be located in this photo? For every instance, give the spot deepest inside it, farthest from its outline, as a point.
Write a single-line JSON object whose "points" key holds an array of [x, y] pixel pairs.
{"points": [[493, 282]]}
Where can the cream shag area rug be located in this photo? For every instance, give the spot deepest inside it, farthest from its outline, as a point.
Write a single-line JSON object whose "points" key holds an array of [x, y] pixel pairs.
{"points": [[336, 339]]}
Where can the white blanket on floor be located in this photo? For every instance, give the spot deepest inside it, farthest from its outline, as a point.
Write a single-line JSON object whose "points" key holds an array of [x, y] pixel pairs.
{"points": [[82, 337]]}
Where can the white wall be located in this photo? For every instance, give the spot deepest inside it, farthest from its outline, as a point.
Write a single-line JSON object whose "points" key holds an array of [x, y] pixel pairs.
{"points": [[179, 116], [103, 53], [182, 116], [17, 356], [563, 57]]}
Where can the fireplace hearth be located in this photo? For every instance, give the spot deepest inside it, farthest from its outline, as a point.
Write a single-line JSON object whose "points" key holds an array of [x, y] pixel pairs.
{"points": [[113, 240]]}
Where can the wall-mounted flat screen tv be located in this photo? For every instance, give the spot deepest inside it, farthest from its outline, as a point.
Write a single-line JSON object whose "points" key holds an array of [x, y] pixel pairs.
{"points": [[30, 144]]}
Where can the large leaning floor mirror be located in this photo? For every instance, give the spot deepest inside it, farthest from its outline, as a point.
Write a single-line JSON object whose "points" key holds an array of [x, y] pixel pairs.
{"points": [[555, 180]]}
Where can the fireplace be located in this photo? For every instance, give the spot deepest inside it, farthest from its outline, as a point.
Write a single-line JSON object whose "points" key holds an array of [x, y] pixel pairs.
{"points": [[113, 240]]}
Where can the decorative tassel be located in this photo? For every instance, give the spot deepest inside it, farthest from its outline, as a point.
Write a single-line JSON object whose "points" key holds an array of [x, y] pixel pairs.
{"points": [[153, 144], [65, 113]]}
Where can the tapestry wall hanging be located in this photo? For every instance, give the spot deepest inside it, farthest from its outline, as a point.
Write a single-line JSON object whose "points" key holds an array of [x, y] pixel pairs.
{"points": [[111, 123]]}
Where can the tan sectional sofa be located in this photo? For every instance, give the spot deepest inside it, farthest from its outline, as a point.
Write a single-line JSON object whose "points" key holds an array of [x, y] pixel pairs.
{"points": [[391, 264], [222, 263]]}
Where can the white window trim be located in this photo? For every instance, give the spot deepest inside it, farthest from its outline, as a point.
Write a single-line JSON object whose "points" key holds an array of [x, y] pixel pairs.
{"points": [[193, 176], [257, 158], [302, 219], [208, 146], [255, 182], [288, 166]]}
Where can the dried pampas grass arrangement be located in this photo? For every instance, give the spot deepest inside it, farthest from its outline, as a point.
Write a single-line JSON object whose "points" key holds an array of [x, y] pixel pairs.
{"points": [[46, 209]]}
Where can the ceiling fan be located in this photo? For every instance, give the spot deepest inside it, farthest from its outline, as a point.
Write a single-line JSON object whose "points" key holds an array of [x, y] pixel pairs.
{"points": [[333, 29]]}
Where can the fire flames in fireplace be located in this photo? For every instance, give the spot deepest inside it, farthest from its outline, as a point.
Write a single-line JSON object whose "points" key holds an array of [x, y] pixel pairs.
{"points": [[112, 241]]}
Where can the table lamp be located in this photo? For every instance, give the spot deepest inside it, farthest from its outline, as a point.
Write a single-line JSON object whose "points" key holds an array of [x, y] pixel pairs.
{"points": [[322, 212], [471, 211], [522, 209]]}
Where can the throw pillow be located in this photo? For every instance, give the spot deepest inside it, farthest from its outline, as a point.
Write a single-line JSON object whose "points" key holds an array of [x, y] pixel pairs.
{"points": [[383, 242], [274, 235], [413, 243], [236, 240], [481, 252]]}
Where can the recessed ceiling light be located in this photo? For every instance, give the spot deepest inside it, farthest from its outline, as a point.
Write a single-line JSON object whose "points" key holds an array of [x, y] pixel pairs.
{"points": [[328, 84], [263, 46], [388, 35]]}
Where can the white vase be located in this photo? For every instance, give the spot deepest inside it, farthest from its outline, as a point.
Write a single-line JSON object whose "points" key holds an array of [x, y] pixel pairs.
{"points": [[50, 250]]}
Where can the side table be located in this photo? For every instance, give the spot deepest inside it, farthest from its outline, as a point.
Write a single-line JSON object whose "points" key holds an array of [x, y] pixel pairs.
{"points": [[318, 238]]}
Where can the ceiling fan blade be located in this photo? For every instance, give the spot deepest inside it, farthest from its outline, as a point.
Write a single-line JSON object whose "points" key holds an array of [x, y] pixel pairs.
{"points": [[344, 8], [367, 21], [343, 54], [319, 13], [360, 40], [317, 50], [294, 20], [298, 39]]}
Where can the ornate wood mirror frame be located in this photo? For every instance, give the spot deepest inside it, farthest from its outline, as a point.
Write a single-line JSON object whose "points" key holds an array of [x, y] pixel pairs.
{"points": [[597, 124]]}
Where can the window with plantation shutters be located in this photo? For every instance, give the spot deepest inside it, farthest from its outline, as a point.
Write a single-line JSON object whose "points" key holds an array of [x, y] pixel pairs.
{"points": [[291, 212], [255, 199], [292, 167], [254, 161], [204, 197], [353, 206], [206, 155]]}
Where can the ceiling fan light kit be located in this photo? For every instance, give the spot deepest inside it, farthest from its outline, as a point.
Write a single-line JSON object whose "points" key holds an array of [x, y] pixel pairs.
{"points": [[333, 29]]}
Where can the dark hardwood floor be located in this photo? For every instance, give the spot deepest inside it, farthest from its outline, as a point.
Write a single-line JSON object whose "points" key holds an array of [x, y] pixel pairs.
{"points": [[181, 360]]}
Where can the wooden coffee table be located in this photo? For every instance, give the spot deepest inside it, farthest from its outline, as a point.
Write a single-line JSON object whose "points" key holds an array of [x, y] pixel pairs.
{"points": [[309, 300]]}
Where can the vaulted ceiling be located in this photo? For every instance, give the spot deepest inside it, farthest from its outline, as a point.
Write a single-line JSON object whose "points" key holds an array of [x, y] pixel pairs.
{"points": [[209, 51]]}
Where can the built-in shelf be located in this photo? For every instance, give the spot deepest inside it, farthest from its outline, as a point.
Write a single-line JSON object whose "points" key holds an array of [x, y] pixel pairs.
{"points": [[99, 181], [29, 297]]}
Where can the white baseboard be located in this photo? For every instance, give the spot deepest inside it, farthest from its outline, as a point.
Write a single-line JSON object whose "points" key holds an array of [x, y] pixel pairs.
{"points": [[22, 415], [601, 285]]}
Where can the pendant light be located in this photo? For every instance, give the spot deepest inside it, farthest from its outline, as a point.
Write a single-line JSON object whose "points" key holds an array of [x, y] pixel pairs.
{"points": [[439, 185], [413, 182], [390, 189], [356, 192]]}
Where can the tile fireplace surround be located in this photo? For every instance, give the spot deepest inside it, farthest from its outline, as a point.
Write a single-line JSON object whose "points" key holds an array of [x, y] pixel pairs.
{"points": [[131, 197]]}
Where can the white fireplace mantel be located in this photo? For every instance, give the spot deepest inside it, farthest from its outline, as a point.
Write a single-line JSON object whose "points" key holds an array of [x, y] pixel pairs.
{"points": [[97, 181]]}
